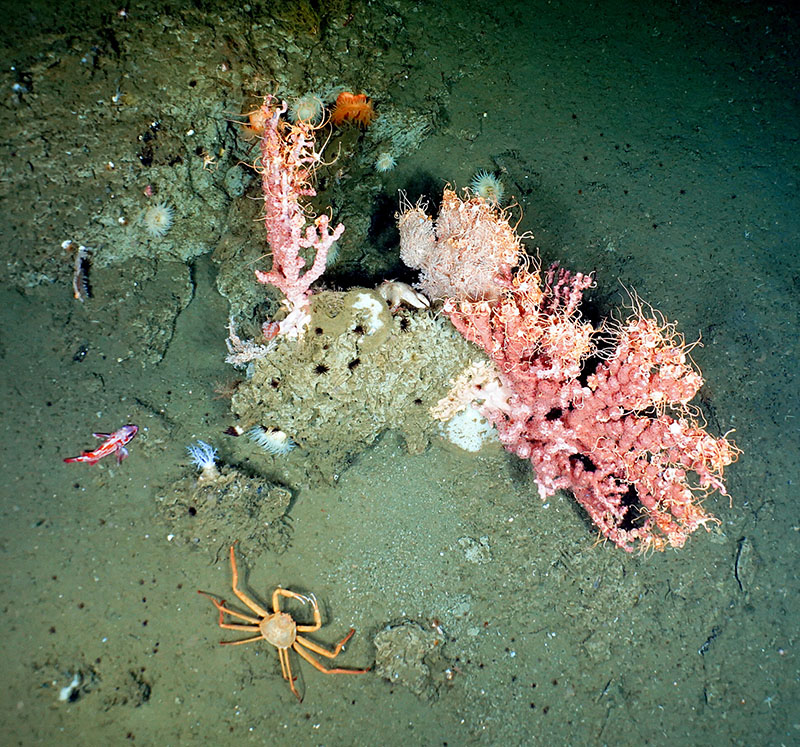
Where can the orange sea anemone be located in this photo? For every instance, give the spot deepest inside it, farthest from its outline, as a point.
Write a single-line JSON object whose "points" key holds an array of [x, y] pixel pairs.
{"points": [[353, 107], [256, 123]]}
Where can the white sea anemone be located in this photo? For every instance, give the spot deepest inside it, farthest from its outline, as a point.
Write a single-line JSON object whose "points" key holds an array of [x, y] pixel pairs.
{"points": [[306, 108], [204, 457], [385, 162], [488, 186], [271, 440], [333, 254], [158, 218]]}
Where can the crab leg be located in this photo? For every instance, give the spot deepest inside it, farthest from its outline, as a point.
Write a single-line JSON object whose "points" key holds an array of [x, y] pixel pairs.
{"points": [[317, 649], [244, 640], [283, 656], [314, 663], [310, 599], [317, 617], [257, 608], [248, 628], [286, 670], [233, 613]]}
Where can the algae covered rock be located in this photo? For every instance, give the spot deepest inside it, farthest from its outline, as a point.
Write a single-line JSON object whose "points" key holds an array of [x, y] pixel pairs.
{"points": [[408, 654], [357, 372], [232, 506]]}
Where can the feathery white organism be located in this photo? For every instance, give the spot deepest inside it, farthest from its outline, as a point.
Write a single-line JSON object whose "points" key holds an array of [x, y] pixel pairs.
{"points": [[204, 457]]}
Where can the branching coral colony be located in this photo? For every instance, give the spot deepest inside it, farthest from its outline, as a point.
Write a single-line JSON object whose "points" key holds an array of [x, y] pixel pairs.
{"points": [[625, 442], [287, 164]]}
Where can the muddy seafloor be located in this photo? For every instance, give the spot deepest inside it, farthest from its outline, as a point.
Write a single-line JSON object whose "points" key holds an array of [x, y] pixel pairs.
{"points": [[656, 147]]}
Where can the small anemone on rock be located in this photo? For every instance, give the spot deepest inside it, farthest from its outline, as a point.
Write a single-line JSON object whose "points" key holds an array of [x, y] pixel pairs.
{"points": [[306, 108], [333, 254], [272, 440], [385, 162], [158, 219], [204, 457], [488, 186]]}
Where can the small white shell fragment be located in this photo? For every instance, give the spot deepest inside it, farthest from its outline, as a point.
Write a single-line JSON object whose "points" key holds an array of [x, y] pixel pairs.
{"points": [[65, 693]]}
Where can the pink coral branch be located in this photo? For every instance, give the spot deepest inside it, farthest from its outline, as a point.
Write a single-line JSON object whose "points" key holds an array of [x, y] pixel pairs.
{"points": [[287, 163]]}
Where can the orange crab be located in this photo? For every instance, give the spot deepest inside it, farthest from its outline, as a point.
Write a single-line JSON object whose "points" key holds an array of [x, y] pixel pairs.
{"points": [[280, 629]]}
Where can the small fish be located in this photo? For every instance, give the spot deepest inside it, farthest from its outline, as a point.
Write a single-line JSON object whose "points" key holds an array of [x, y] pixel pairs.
{"points": [[114, 443]]}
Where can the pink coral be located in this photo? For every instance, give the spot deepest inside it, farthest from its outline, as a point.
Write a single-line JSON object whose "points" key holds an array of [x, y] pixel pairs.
{"points": [[287, 163], [625, 442]]}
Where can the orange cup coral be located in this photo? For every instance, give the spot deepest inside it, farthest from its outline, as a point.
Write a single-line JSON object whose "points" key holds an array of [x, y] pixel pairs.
{"points": [[353, 107]]}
